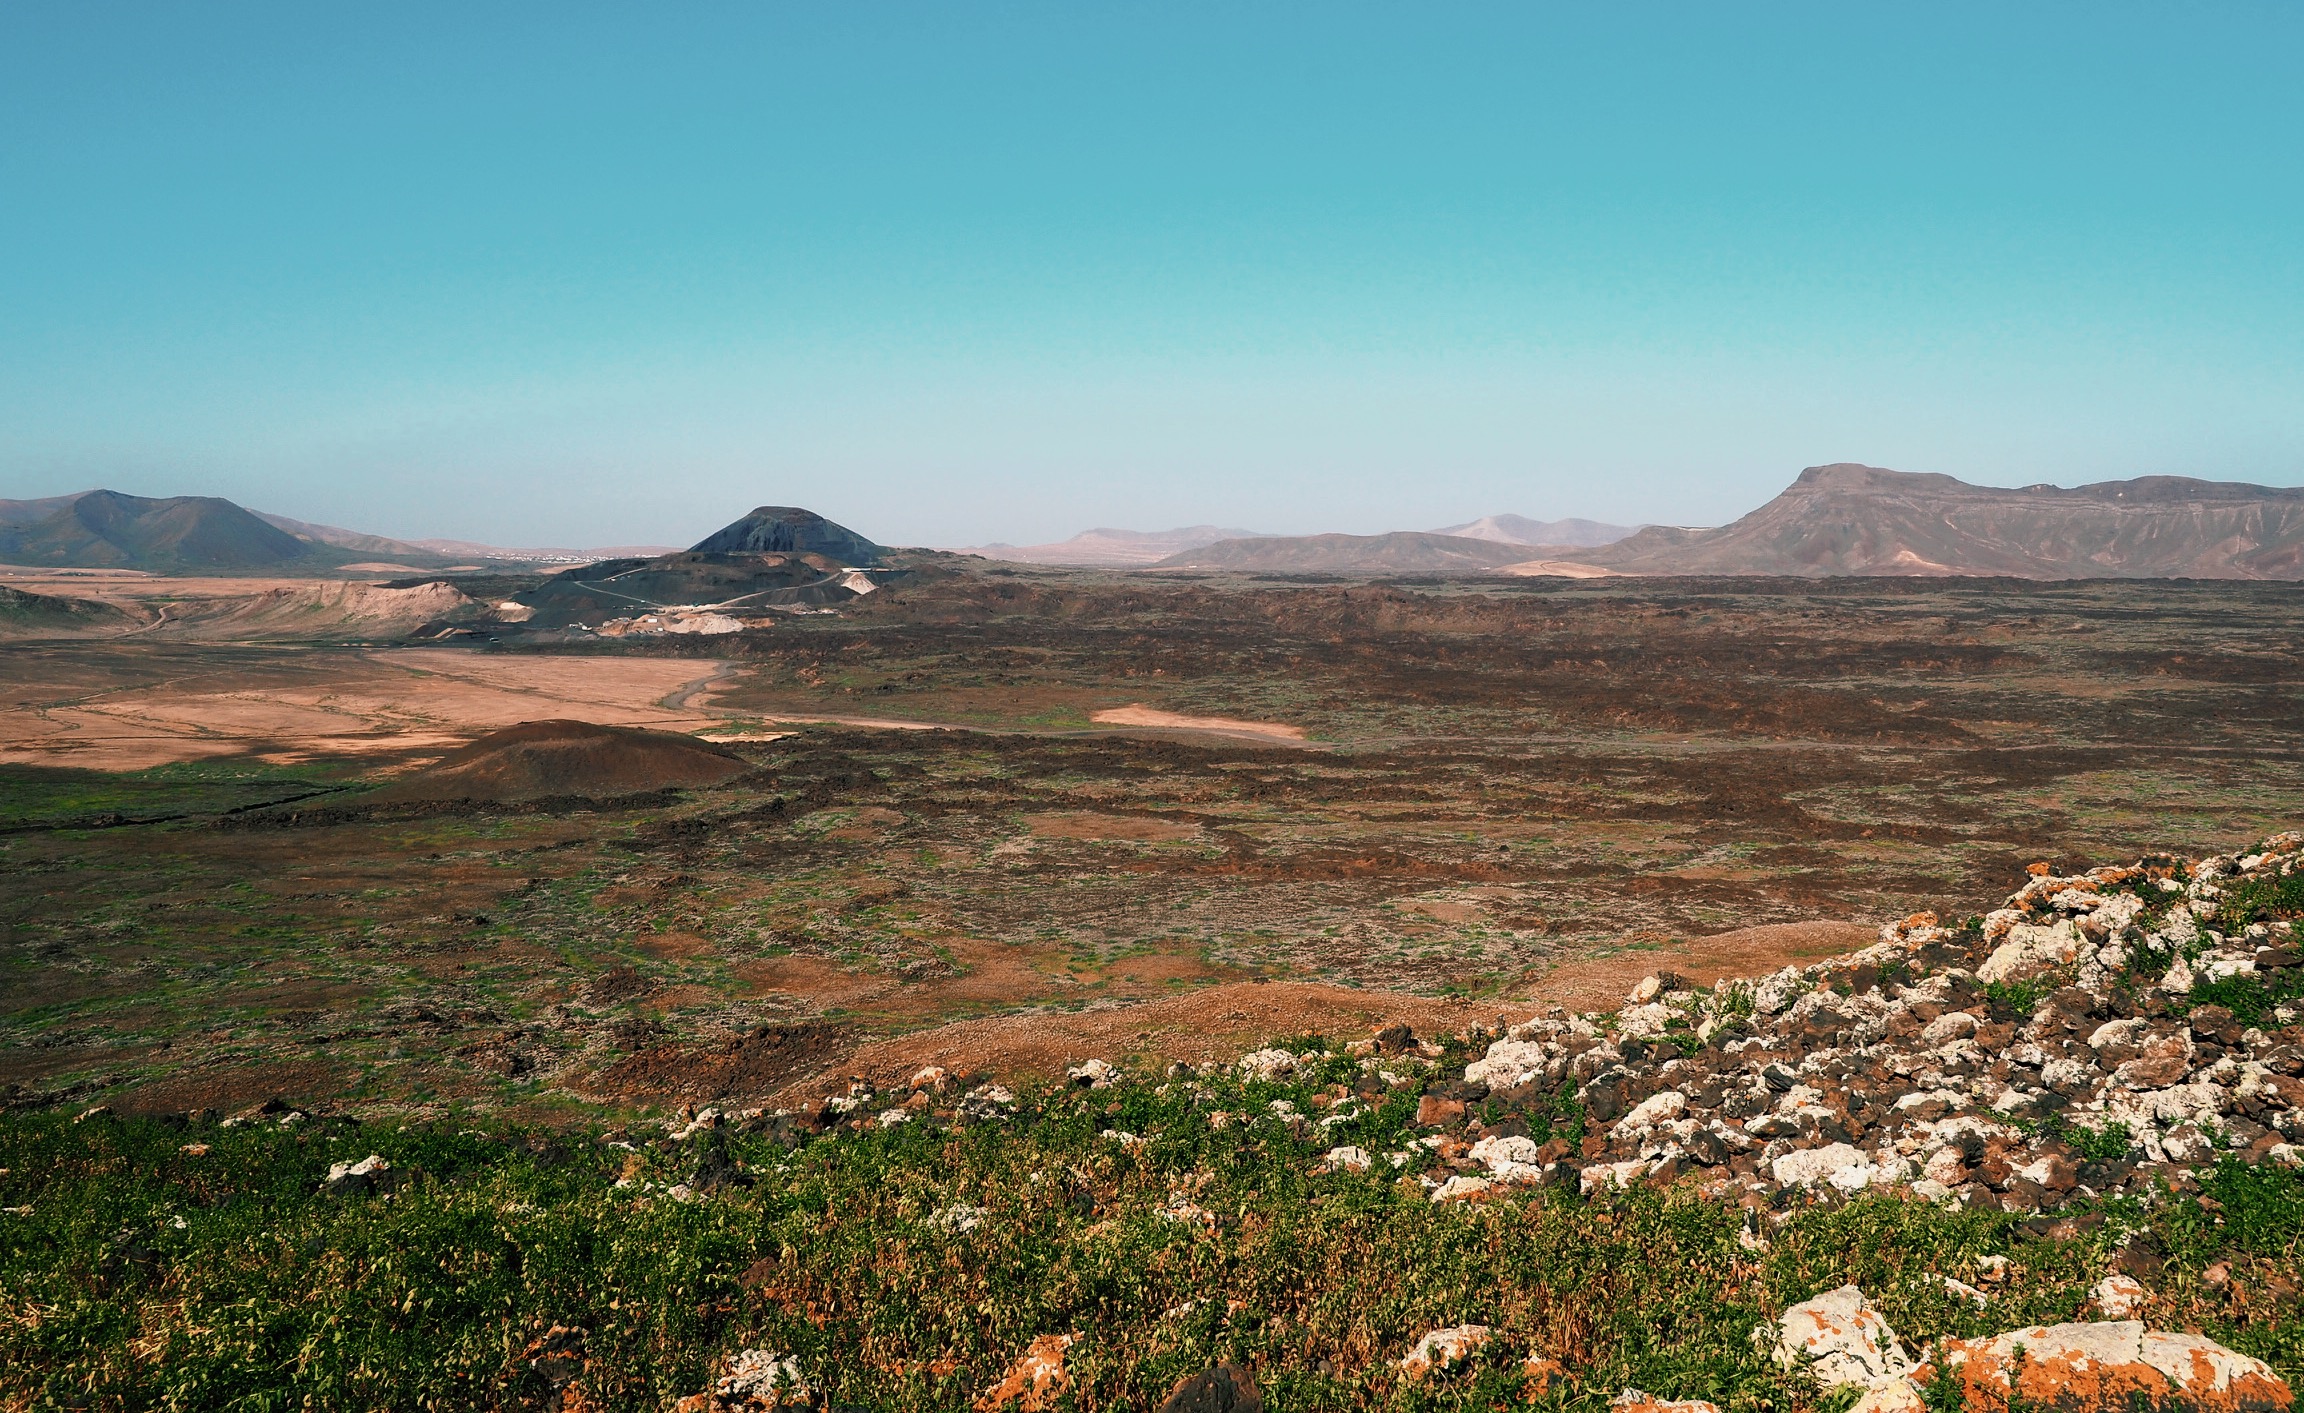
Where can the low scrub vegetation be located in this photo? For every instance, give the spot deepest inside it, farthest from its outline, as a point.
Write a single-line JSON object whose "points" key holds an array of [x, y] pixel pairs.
{"points": [[156, 1264]]}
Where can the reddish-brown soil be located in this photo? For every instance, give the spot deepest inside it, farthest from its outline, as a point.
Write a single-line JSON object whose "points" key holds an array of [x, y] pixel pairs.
{"points": [[1083, 824], [760, 1062], [1213, 1025], [234, 1086], [1137, 714], [1600, 982], [1218, 1024]]}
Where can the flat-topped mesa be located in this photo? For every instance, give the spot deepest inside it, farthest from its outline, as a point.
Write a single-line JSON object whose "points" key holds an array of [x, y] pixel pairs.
{"points": [[1851, 519], [787, 529]]}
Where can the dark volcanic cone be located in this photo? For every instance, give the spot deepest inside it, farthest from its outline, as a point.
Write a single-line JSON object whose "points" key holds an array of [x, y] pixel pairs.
{"points": [[787, 529], [542, 759]]}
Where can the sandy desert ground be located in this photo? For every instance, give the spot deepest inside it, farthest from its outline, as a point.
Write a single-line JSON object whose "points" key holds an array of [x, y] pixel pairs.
{"points": [[130, 706]]}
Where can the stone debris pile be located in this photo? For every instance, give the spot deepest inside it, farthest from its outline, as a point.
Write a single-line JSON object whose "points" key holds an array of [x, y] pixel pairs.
{"points": [[933, 1095], [2105, 1032]]}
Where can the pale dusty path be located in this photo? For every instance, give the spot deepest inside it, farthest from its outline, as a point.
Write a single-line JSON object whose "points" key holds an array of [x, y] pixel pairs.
{"points": [[1146, 718], [1137, 714]]}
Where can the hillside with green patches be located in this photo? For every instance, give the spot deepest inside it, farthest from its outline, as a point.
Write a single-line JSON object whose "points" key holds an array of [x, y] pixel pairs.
{"points": [[1168, 1225]]}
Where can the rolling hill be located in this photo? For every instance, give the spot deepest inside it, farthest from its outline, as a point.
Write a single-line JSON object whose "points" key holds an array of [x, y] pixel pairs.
{"points": [[335, 537], [1847, 519], [177, 534], [25, 614], [207, 535]]}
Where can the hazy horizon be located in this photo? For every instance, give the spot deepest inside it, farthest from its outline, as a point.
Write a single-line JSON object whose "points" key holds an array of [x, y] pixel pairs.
{"points": [[586, 276]]}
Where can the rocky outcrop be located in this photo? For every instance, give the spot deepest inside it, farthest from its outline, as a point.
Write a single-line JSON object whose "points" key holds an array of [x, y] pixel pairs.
{"points": [[1226, 1388], [2069, 1045], [1634, 1400], [370, 1174]]}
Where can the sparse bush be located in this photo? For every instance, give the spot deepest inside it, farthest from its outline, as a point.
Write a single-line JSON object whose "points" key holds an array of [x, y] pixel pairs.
{"points": [[2100, 1145], [2269, 899], [2019, 998]]}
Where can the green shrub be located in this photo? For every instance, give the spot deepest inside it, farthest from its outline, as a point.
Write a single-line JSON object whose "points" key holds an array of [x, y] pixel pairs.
{"points": [[2020, 997], [2255, 900], [137, 1275]]}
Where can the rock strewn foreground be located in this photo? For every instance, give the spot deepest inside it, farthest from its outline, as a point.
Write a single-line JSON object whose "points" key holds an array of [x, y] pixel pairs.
{"points": [[2107, 1032]]}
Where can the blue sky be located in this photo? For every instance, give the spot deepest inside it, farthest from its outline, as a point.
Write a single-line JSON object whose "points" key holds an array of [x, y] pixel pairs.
{"points": [[952, 273]]}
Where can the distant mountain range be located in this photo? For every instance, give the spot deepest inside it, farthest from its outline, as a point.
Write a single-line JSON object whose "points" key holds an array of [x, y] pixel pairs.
{"points": [[1842, 519], [562, 554], [1113, 549], [379, 546], [1851, 519], [1847, 519], [1520, 530], [372, 546], [1401, 552], [208, 535]]}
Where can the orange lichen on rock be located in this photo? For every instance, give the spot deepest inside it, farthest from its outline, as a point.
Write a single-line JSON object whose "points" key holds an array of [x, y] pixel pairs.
{"points": [[2109, 1365], [1035, 1381]]}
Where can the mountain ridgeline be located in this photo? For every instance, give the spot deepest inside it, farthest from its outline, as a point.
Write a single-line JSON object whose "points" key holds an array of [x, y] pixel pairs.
{"points": [[1852, 520], [1838, 520], [177, 534], [105, 529], [1847, 519]]}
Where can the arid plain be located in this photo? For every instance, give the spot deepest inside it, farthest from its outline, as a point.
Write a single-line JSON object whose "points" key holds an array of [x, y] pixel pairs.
{"points": [[1005, 818]]}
